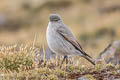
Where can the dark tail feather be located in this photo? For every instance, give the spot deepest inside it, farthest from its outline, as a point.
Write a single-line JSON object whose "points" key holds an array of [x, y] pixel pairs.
{"points": [[89, 59], [86, 54]]}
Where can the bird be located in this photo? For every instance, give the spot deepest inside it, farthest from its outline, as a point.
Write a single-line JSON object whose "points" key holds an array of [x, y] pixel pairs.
{"points": [[62, 41]]}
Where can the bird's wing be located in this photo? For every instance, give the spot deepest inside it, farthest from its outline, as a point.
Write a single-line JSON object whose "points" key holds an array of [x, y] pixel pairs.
{"points": [[68, 36]]}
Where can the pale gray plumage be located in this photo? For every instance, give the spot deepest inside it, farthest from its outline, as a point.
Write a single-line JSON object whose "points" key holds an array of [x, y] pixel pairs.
{"points": [[61, 40]]}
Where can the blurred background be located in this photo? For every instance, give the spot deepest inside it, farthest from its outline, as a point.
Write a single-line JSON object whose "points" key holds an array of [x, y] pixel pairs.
{"points": [[95, 23]]}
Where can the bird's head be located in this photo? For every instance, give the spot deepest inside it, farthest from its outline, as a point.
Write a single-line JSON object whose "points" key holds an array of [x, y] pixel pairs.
{"points": [[54, 17]]}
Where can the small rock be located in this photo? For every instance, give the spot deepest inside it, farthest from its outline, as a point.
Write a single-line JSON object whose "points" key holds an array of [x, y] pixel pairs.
{"points": [[82, 78], [111, 53], [118, 71]]}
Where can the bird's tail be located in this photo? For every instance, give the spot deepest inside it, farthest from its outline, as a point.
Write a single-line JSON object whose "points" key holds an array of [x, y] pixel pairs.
{"points": [[89, 59]]}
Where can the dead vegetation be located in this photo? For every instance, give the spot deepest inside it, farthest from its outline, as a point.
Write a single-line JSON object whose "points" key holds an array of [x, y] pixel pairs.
{"points": [[19, 62]]}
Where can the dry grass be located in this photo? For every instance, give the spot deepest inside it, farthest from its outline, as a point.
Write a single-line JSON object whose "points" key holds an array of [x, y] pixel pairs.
{"points": [[19, 62]]}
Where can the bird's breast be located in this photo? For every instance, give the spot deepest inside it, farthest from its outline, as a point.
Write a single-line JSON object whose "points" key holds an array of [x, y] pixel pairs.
{"points": [[52, 38]]}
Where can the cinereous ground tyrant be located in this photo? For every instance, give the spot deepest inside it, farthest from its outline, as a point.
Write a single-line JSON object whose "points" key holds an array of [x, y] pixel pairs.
{"points": [[61, 40]]}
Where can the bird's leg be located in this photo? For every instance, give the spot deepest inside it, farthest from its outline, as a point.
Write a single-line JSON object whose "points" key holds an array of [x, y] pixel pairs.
{"points": [[65, 58]]}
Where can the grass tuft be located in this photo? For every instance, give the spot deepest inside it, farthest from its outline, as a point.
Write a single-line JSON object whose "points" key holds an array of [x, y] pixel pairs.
{"points": [[18, 62]]}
